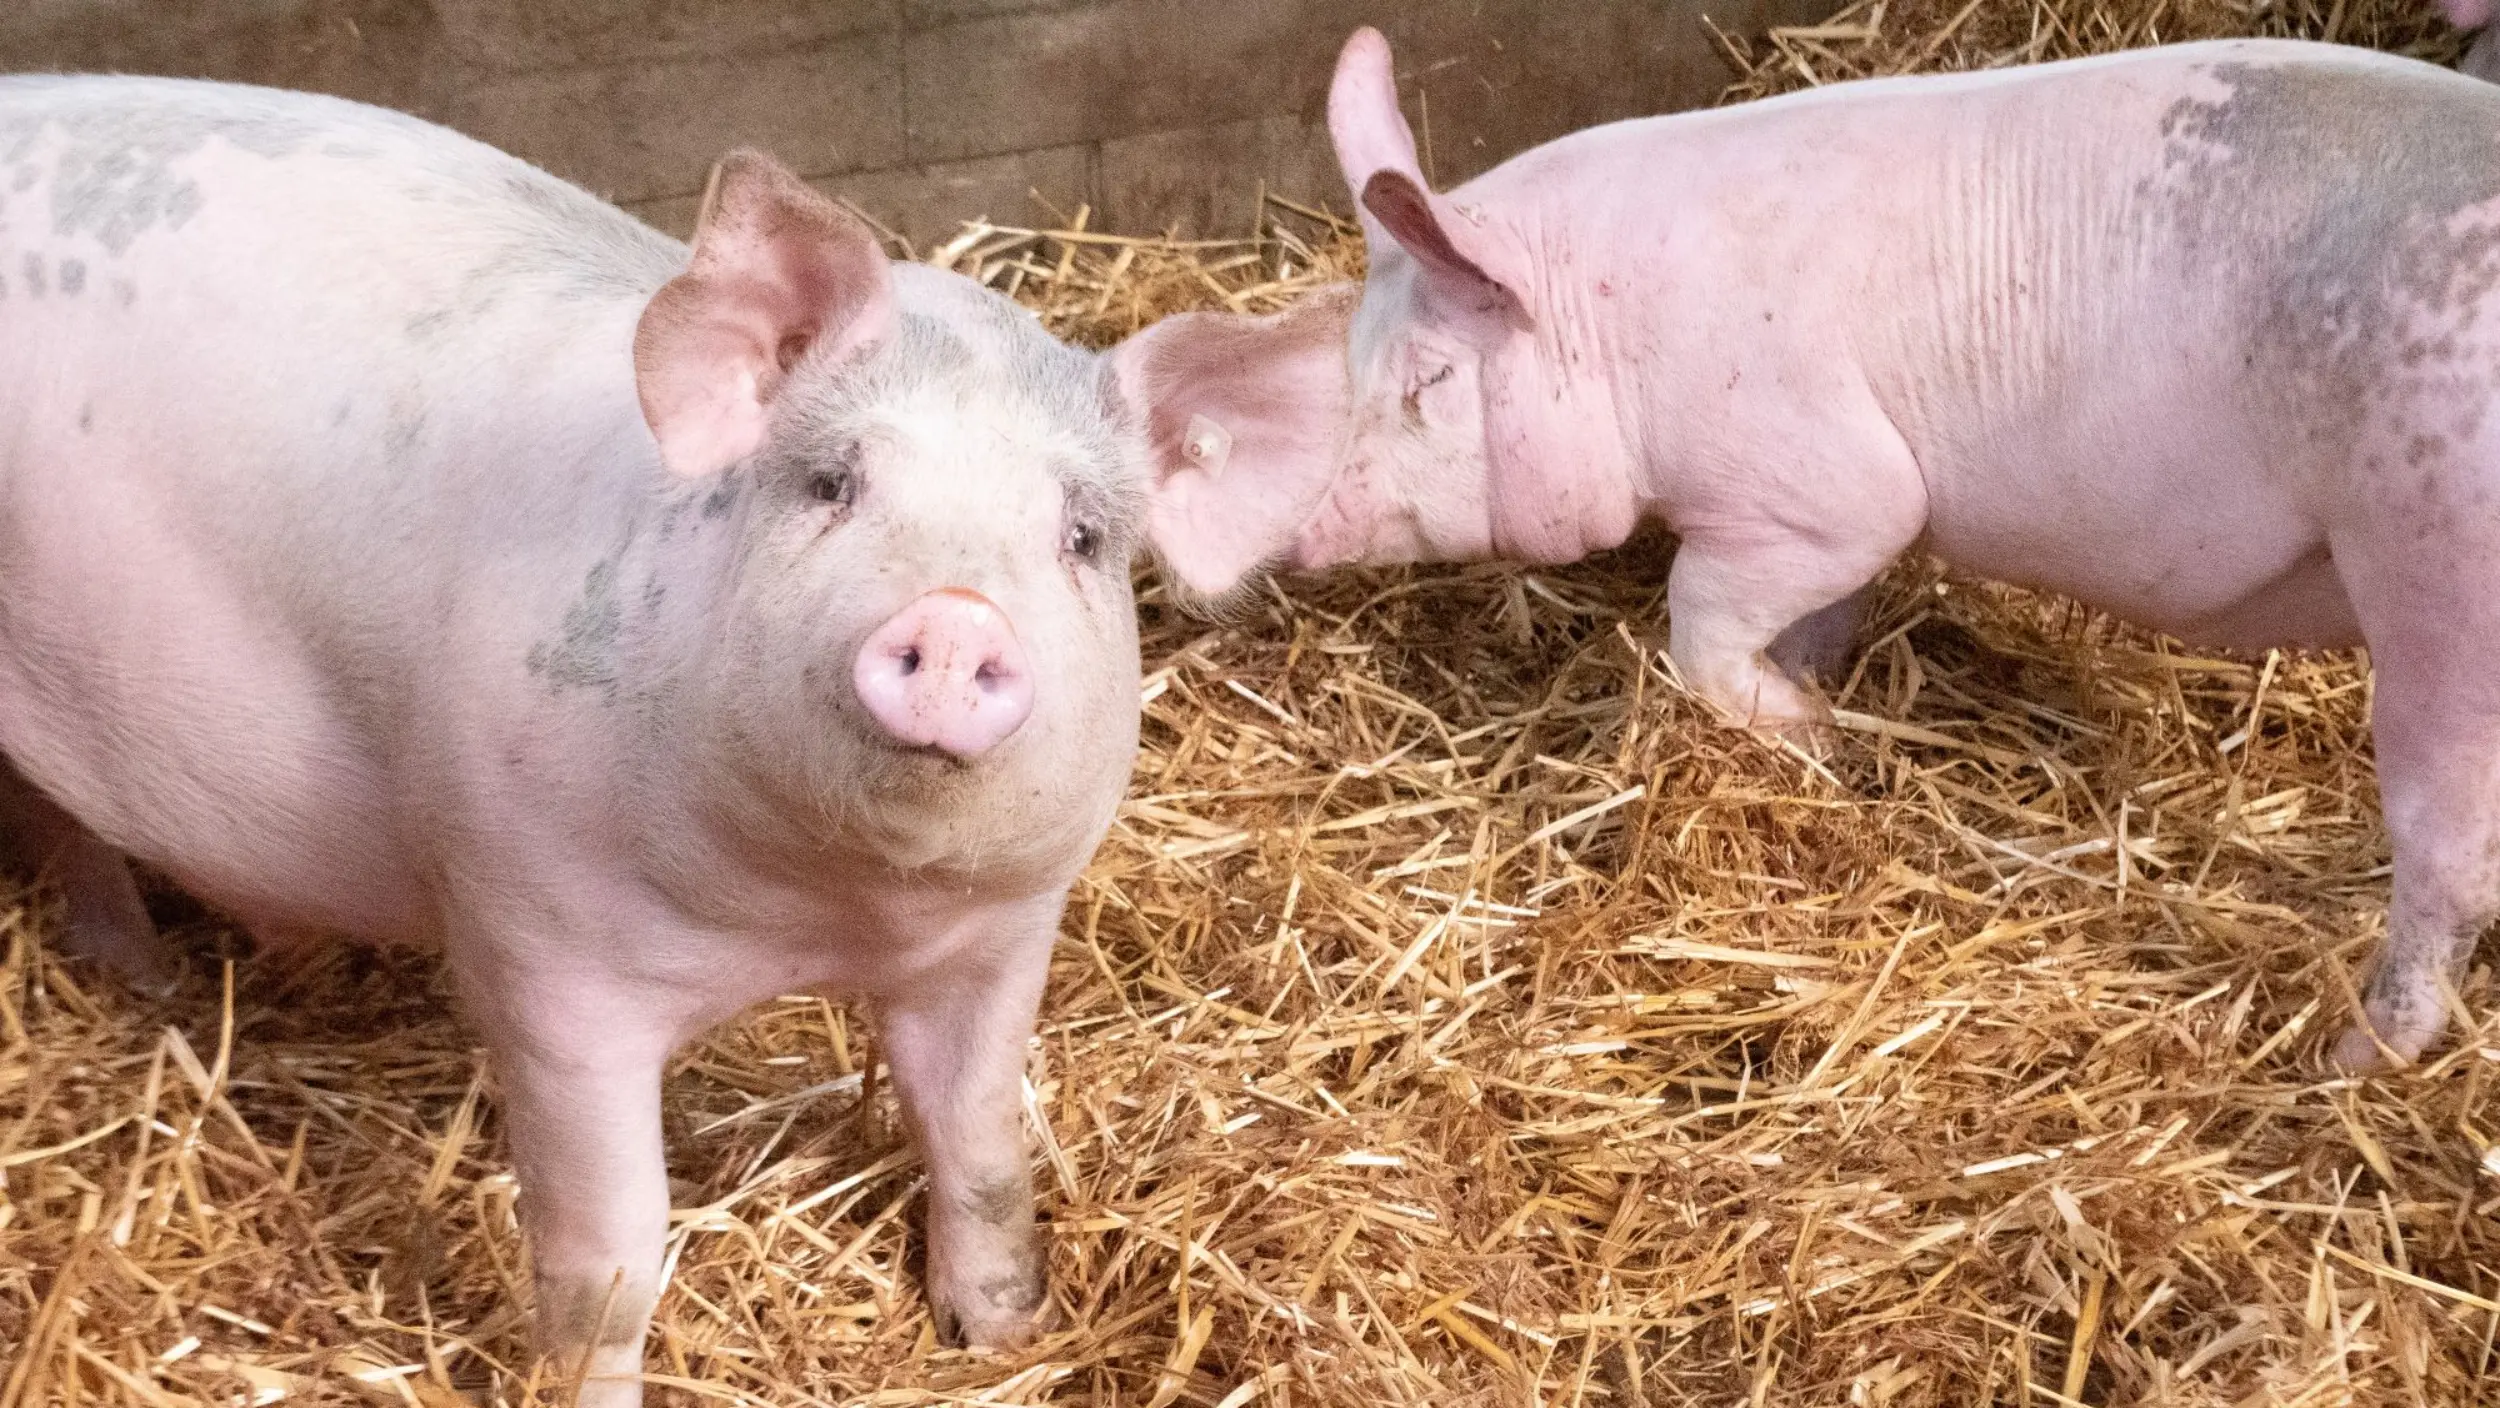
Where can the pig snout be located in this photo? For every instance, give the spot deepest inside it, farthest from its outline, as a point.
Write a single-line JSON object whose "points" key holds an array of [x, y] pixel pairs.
{"points": [[947, 672]]}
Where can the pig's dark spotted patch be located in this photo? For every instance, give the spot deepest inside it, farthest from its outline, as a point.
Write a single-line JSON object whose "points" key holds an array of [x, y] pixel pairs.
{"points": [[431, 324], [2352, 204], [33, 274], [404, 431], [722, 499], [583, 654], [73, 277]]}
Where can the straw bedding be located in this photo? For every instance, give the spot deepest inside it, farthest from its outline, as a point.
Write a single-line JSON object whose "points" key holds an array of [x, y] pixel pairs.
{"points": [[1452, 1017]]}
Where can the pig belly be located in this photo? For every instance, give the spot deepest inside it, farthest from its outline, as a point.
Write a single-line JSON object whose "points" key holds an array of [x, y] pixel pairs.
{"points": [[146, 690], [2181, 521]]}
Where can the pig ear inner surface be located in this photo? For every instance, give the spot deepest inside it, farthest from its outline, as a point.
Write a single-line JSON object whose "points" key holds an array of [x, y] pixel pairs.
{"points": [[1243, 417], [1477, 261], [778, 274]]}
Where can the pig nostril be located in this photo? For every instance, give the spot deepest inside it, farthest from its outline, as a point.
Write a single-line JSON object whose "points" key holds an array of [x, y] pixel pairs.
{"points": [[911, 660]]}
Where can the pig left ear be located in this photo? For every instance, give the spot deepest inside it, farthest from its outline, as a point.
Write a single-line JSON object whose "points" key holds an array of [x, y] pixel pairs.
{"points": [[1463, 254], [1475, 260], [778, 273]]}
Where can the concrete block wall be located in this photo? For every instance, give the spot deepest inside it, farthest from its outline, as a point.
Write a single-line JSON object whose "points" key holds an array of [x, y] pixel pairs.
{"points": [[1158, 114]]}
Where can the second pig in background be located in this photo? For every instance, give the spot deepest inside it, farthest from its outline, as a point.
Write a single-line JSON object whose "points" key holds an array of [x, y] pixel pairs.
{"points": [[2204, 336]]}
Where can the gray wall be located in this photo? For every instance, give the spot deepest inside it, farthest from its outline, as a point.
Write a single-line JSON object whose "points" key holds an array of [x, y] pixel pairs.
{"points": [[1160, 114]]}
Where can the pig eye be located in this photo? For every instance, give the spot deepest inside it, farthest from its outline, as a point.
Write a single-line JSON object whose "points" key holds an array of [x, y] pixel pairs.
{"points": [[1083, 540], [839, 487], [1438, 377]]}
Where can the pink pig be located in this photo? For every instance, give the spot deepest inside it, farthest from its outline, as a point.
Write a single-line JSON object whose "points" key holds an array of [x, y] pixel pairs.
{"points": [[2482, 57], [398, 543], [2206, 336]]}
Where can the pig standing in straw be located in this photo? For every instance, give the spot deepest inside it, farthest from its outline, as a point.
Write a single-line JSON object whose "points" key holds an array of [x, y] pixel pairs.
{"points": [[2207, 336], [343, 579]]}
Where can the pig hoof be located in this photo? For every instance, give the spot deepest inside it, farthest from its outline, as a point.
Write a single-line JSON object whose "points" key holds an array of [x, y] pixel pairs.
{"points": [[2359, 1051], [134, 953], [995, 1327], [1778, 706], [999, 1334], [1814, 739]]}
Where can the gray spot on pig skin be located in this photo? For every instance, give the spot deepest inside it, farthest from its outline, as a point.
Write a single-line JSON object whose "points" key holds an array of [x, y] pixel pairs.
{"points": [[1004, 1202], [2341, 191], [339, 412], [184, 203], [115, 166], [73, 277], [34, 276], [125, 292], [584, 654], [673, 513], [2351, 178], [425, 327], [86, 417], [721, 500], [1019, 1291], [405, 430]]}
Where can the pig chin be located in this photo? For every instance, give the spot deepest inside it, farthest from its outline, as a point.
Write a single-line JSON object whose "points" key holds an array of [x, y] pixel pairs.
{"points": [[921, 809]]}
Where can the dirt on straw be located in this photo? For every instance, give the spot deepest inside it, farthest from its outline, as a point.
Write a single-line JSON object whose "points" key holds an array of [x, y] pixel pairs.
{"points": [[1452, 1017]]}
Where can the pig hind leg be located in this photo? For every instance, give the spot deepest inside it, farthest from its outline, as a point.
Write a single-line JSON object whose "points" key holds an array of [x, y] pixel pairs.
{"points": [[2438, 743], [2434, 627], [103, 918]]}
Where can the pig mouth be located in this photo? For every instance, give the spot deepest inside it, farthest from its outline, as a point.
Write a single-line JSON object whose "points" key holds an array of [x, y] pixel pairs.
{"points": [[931, 756]]}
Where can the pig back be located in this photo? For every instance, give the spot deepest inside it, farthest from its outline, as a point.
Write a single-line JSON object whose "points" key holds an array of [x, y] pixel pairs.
{"points": [[288, 386], [2164, 303]]}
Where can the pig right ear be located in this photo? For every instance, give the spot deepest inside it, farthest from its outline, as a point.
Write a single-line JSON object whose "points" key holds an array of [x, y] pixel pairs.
{"points": [[1243, 419], [1463, 254], [778, 273]]}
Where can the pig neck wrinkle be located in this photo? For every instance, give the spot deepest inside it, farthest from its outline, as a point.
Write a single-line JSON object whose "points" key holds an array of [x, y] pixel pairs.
{"points": [[1565, 482]]}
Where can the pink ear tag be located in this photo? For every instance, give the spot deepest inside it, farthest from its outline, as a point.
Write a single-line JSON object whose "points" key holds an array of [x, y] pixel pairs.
{"points": [[1208, 445]]}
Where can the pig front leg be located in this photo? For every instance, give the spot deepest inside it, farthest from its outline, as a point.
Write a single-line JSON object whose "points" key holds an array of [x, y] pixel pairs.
{"points": [[103, 918], [578, 1056], [956, 1046], [1739, 609]]}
